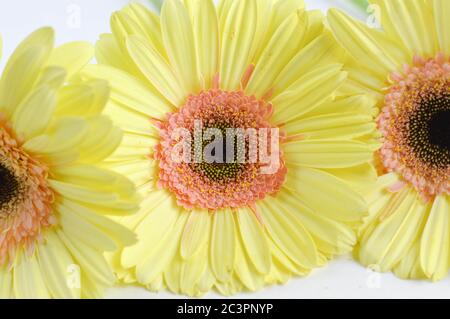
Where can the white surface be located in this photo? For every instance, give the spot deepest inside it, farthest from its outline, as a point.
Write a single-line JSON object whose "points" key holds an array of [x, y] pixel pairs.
{"points": [[73, 20], [342, 278], [85, 20]]}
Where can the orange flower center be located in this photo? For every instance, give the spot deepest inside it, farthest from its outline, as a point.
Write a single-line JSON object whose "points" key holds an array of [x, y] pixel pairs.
{"points": [[25, 197], [415, 126], [220, 151]]}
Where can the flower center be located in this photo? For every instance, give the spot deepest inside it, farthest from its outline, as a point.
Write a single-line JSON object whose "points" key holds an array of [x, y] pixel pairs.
{"points": [[220, 151], [25, 197], [222, 170], [439, 130], [429, 134], [414, 123], [9, 186]]}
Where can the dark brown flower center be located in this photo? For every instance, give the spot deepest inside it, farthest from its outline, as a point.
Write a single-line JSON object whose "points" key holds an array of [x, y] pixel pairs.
{"points": [[430, 131], [440, 130], [9, 186], [219, 161], [225, 169]]}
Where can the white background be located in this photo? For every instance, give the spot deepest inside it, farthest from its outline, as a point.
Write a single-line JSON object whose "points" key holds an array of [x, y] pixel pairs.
{"points": [[85, 20]]}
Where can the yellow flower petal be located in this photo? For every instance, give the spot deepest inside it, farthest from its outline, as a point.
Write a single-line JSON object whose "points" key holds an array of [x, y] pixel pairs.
{"points": [[244, 268], [28, 281], [369, 47], [327, 153], [156, 69], [108, 52], [23, 67], [19, 76], [89, 259], [99, 199], [123, 26], [315, 26], [207, 43], [283, 8], [262, 34], [62, 136], [156, 225], [95, 177], [55, 262], [44, 37], [366, 78], [392, 237], [326, 194], [270, 15], [128, 120], [230, 287], [101, 140], [254, 240], [307, 93], [121, 235], [412, 20], [206, 281], [330, 236], [362, 178], [140, 171], [181, 50], [223, 245], [6, 280], [223, 10], [172, 274], [278, 52], [53, 76], [360, 104], [283, 266], [441, 12], [338, 126], [321, 51], [237, 35], [435, 242], [72, 56], [409, 266], [148, 23], [191, 272], [84, 231], [149, 268], [289, 233], [380, 189], [33, 115], [129, 91], [196, 233]]}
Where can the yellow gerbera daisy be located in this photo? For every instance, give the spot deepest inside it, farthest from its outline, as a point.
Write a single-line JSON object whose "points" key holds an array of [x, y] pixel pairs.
{"points": [[406, 67], [245, 64], [53, 194]]}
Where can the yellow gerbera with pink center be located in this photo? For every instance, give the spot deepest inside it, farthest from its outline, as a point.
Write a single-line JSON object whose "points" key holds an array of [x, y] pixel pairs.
{"points": [[405, 65], [263, 66], [54, 195]]}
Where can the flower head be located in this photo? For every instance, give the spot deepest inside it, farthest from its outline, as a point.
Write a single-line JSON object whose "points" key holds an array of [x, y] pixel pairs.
{"points": [[406, 67], [276, 200], [54, 194], [214, 185]]}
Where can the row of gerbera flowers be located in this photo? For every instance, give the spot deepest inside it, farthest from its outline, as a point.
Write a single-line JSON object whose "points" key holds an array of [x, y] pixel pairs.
{"points": [[90, 194]]}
